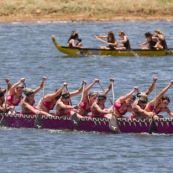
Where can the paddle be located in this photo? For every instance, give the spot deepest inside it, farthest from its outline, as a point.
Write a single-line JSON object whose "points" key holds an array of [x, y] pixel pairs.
{"points": [[69, 98], [74, 117], [83, 89], [101, 40], [153, 128], [37, 123], [7, 86], [104, 90], [113, 123]]}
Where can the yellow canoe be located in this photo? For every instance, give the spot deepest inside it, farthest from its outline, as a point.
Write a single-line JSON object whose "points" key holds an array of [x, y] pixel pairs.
{"points": [[94, 51]]}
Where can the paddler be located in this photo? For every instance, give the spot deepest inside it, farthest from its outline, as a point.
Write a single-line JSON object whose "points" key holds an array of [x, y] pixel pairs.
{"points": [[14, 95], [74, 40], [98, 107], [151, 42], [124, 41], [48, 101], [29, 97], [160, 103], [64, 106], [111, 41], [88, 99], [124, 104], [162, 42], [3, 106], [140, 103], [139, 111]]}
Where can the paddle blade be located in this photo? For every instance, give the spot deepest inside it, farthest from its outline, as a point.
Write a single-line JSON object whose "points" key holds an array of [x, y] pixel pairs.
{"points": [[113, 125], [38, 122], [153, 128], [75, 119]]}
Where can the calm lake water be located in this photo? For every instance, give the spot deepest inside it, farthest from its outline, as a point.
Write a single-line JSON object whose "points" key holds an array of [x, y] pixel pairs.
{"points": [[26, 50]]}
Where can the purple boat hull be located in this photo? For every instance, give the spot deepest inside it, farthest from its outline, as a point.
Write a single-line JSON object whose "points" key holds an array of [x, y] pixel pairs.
{"points": [[34, 121], [164, 125]]}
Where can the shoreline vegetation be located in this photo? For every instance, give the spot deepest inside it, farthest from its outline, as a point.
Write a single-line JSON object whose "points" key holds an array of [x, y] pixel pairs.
{"points": [[85, 10]]}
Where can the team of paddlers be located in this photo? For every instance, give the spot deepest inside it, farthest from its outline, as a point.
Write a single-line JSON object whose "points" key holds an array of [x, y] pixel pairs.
{"points": [[92, 104], [154, 41]]}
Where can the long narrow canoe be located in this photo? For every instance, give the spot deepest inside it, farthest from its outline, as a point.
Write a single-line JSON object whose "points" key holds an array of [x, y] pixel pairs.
{"points": [[163, 125], [95, 51]]}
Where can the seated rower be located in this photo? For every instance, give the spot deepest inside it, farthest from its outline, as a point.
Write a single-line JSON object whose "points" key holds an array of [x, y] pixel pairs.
{"points": [[64, 107], [160, 103], [48, 102], [124, 104], [162, 42], [150, 89], [87, 100], [125, 41], [111, 41], [15, 94], [3, 106], [150, 42], [139, 111], [74, 40], [140, 104], [98, 107], [29, 97], [33, 110]]}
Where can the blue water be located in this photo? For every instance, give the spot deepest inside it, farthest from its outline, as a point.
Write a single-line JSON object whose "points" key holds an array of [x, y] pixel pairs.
{"points": [[26, 50]]}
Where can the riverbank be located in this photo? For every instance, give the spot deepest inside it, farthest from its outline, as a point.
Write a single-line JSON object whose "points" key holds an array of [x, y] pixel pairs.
{"points": [[84, 10]]}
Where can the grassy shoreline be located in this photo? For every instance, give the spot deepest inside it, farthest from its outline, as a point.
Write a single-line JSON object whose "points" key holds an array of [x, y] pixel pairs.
{"points": [[84, 10]]}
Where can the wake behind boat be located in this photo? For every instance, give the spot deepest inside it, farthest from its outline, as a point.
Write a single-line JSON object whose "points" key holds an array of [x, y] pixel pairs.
{"points": [[163, 125], [74, 51]]}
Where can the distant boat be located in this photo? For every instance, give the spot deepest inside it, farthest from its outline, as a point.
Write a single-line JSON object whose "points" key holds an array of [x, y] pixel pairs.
{"points": [[94, 51], [88, 124]]}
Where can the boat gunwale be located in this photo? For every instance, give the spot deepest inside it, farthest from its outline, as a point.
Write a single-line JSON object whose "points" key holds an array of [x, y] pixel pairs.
{"points": [[78, 48], [88, 124], [19, 115]]}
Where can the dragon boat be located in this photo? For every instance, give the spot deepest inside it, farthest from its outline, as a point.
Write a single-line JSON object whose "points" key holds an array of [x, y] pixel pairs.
{"points": [[99, 52], [88, 124]]}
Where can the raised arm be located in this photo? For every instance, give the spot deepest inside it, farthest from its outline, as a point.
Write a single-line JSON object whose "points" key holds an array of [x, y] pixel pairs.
{"points": [[58, 91], [8, 83], [159, 96], [109, 87], [74, 93], [85, 94], [127, 96], [152, 87], [41, 85], [13, 87]]}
